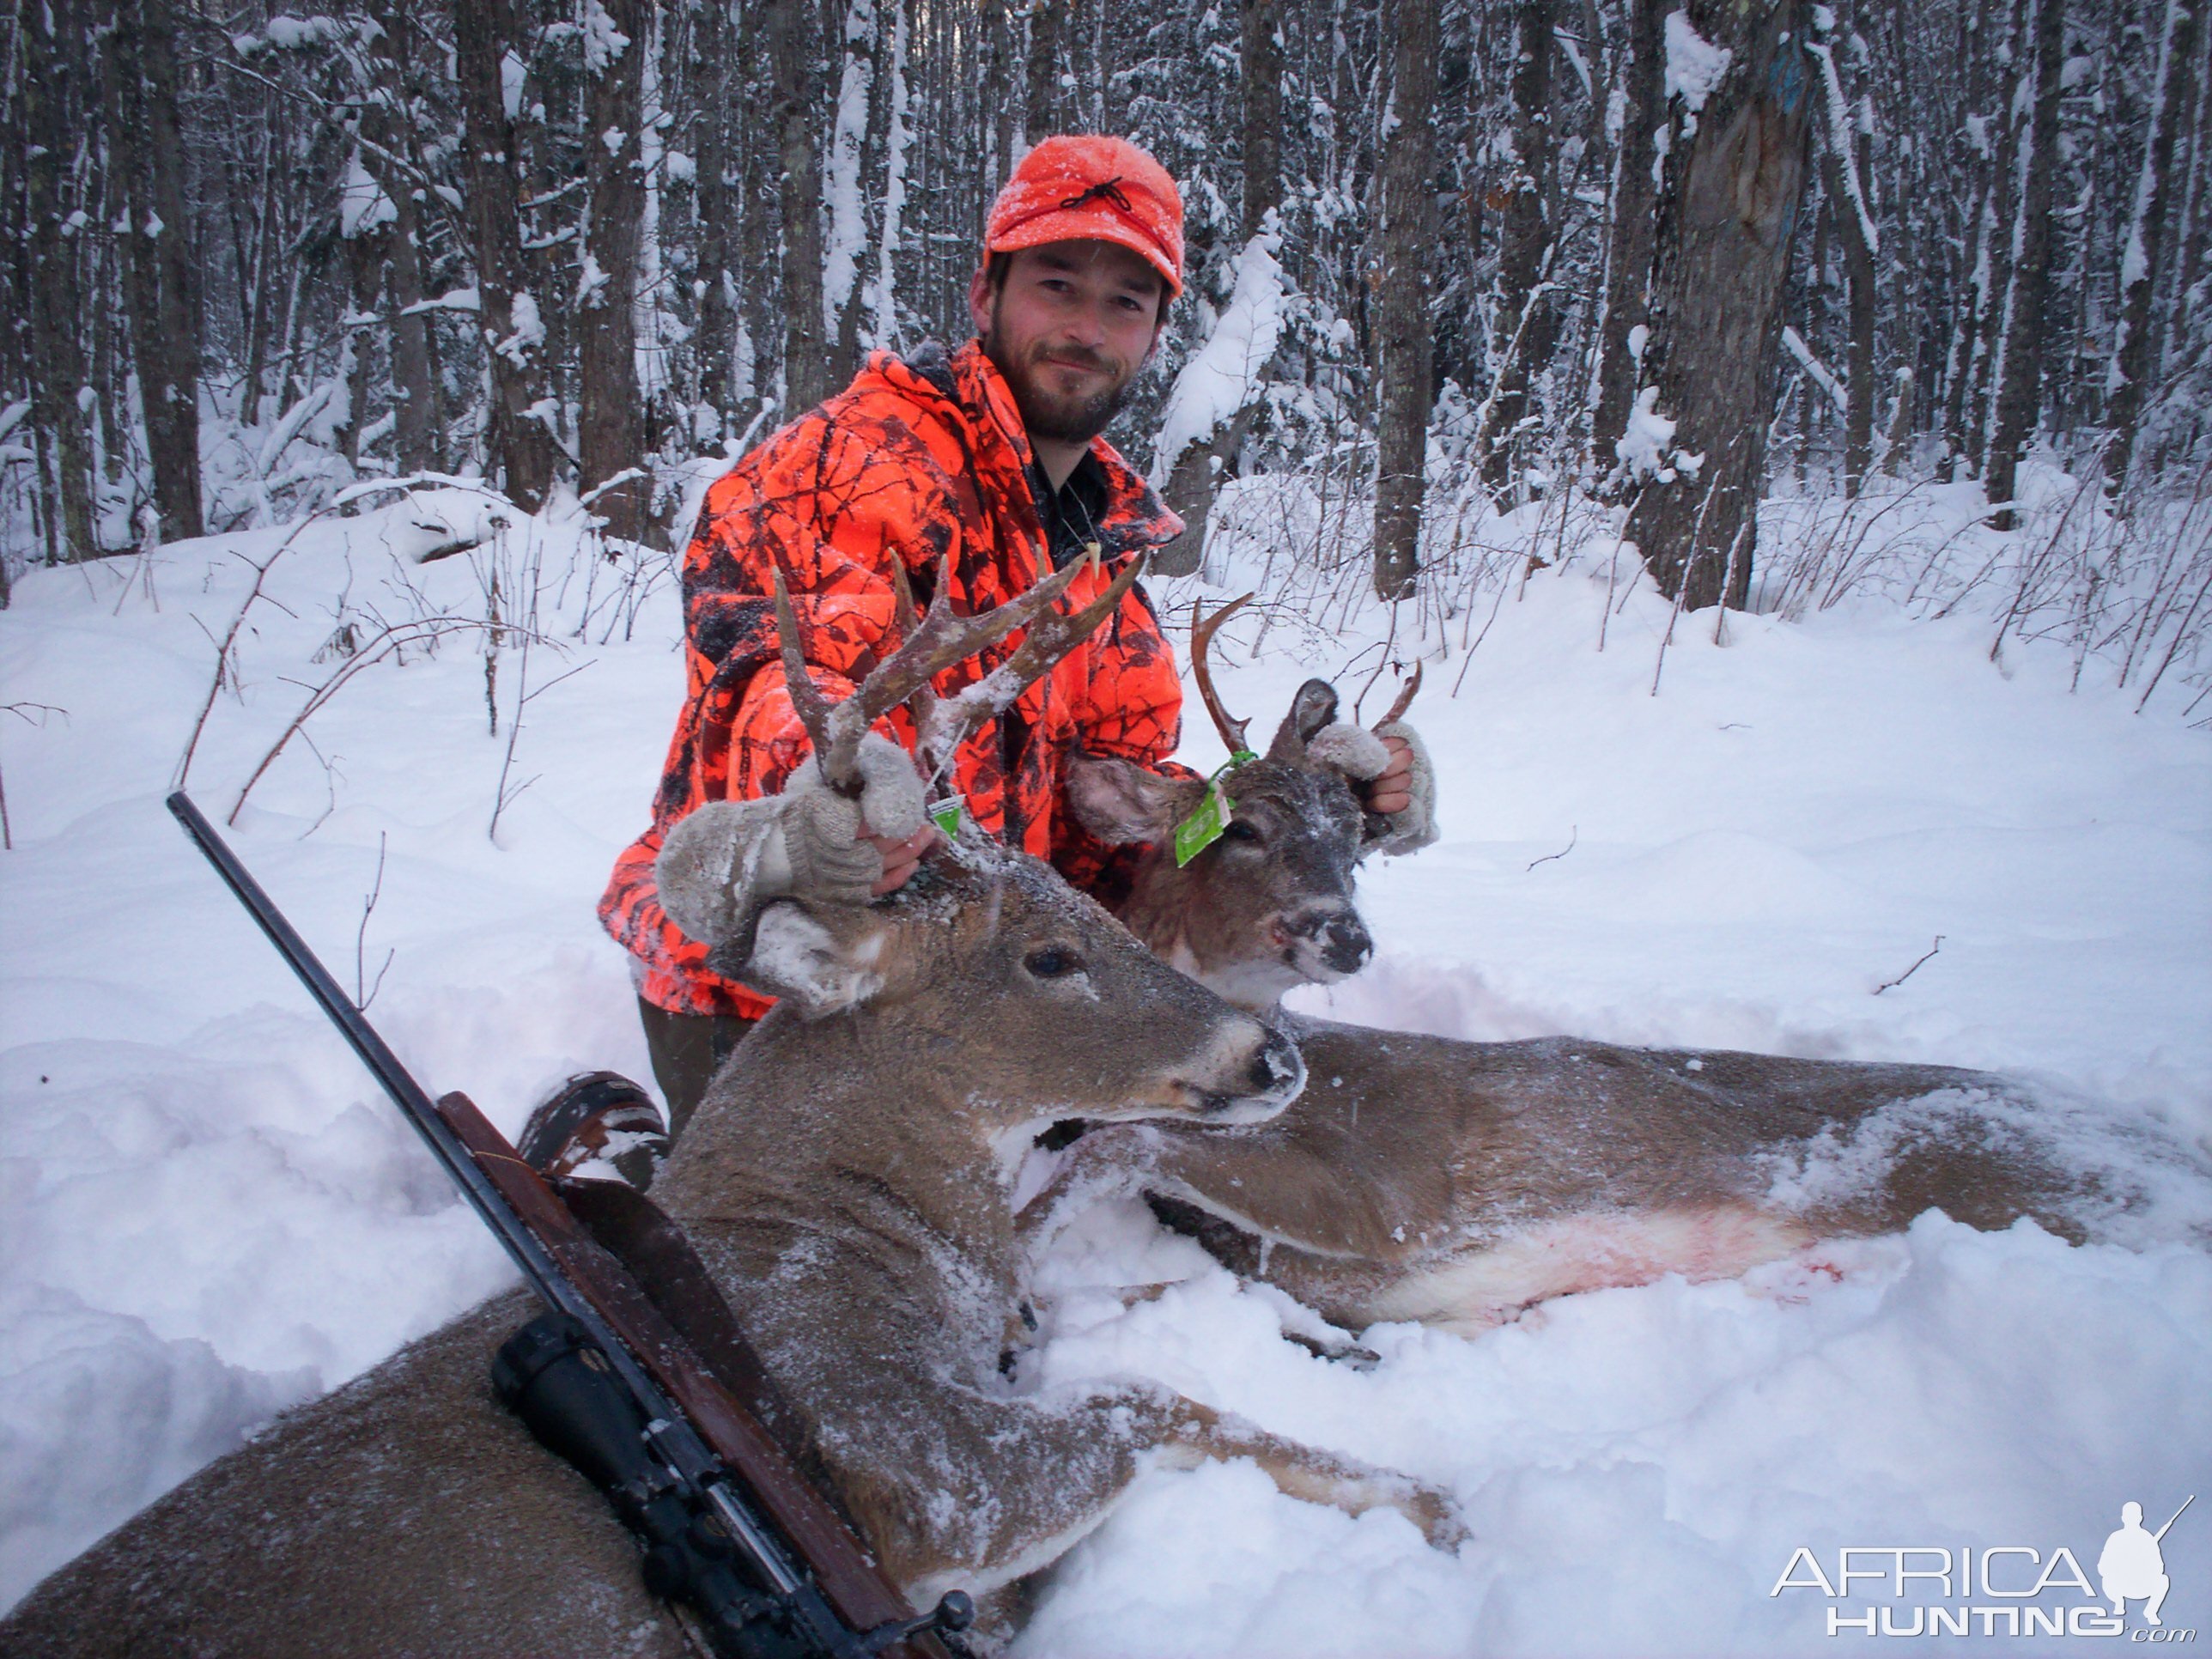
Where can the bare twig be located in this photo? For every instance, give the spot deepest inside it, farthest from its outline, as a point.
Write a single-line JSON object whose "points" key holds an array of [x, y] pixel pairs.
{"points": [[224, 647], [1908, 973], [393, 638], [1574, 833], [362, 998], [19, 710]]}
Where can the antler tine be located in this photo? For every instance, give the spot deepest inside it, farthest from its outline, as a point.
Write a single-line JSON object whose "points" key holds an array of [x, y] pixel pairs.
{"points": [[1405, 699], [1054, 636], [1051, 638], [805, 695], [1201, 636], [923, 703], [937, 641]]}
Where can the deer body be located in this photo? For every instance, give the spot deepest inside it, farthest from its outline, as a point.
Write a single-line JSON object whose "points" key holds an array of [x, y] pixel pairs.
{"points": [[1453, 1182], [847, 1184]]}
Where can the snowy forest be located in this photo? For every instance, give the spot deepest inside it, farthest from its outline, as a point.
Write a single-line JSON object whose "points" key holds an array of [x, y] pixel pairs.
{"points": [[1621, 257]]}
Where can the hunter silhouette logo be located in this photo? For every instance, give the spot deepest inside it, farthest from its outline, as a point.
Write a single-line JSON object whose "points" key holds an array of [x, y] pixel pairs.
{"points": [[2000, 1594], [2133, 1565]]}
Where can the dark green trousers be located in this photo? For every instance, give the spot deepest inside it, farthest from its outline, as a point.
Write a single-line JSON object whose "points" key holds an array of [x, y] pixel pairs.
{"points": [[687, 1050]]}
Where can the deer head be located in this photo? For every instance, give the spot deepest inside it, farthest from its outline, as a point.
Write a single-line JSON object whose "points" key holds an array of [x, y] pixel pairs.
{"points": [[1269, 905], [985, 956]]}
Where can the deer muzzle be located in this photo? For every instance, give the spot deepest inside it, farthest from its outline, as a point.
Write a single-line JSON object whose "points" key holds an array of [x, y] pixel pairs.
{"points": [[1276, 1074], [1323, 942]]}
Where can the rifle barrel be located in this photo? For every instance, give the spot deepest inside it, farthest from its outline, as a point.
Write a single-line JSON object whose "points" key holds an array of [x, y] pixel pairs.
{"points": [[678, 1440]]}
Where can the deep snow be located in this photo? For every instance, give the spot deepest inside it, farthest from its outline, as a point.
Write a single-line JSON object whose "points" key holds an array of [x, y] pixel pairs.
{"points": [[207, 1212]]}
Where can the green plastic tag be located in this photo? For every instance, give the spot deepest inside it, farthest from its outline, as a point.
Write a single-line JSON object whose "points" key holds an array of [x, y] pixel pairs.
{"points": [[1202, 827], [946, 815]]}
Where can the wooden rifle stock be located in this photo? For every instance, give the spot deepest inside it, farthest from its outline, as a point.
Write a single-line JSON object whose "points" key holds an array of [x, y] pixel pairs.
{"points": [[850, 1581]]}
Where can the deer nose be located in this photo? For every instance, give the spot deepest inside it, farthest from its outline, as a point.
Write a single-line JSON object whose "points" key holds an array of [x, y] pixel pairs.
{"points": [[1333, 937], [1278, 1071], [1345, 944]]}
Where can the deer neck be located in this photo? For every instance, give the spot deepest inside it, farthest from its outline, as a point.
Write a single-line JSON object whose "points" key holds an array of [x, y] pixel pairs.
{"points": [[798, 1137]]}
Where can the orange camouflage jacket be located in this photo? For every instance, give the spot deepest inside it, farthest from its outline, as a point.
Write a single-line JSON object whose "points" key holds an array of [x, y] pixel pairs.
{"points": [[913, 461]]}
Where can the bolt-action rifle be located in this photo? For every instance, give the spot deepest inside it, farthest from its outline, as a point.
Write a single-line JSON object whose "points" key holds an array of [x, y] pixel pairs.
{"points": [[730, 1526]]}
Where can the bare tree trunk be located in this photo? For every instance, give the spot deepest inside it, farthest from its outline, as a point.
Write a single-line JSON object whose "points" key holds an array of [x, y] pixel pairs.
{"points": [[2020, 363], [1403, 342], [414, 414], [365, 262], [716, 343], [609, 424], [1997, 260], [1263, 111], [1847, 176], [1527, 325], [1723, 249], [805, 350], [1040, 109], [49, 119], [2134, 366], [518, 444], [1004, 126], [1628, 260], [855, 136]]}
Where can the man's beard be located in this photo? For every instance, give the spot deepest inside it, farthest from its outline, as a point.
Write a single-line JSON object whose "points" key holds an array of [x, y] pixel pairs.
{"points": [[1049, 415]]}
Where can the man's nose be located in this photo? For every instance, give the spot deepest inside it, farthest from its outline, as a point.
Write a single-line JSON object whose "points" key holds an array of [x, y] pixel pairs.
{"points": [[1086, 326]]}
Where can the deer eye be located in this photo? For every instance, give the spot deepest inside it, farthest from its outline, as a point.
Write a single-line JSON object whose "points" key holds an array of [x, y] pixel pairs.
{"points": [[1053, 961], [1238, 829]]}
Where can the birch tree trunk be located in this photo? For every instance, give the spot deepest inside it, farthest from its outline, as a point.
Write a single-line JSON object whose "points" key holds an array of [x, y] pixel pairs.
{"points": [[609, 413], [1723, 248], [2020, 363], [1403, 339]]}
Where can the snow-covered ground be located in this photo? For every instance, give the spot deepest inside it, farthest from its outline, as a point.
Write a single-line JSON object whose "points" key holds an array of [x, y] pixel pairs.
{"points": [[206, 1213]]}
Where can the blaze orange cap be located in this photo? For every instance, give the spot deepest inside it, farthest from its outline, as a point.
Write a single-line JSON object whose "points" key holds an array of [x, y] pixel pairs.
{"points": [[1088, 188]]}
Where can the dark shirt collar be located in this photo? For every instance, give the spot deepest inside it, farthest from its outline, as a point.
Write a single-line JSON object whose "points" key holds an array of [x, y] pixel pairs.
{"points": [[1075, 515]]}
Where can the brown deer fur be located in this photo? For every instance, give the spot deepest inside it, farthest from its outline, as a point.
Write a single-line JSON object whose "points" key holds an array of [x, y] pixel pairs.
{"points": [[1421, 1177], [847, 1180]]}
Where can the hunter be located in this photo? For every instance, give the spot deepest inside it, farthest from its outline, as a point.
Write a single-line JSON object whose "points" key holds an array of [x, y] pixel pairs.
{"points": [[991, 454]]}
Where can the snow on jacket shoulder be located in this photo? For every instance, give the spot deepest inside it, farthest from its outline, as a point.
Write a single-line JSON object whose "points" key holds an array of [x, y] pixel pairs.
{"points": [[914, 460]]}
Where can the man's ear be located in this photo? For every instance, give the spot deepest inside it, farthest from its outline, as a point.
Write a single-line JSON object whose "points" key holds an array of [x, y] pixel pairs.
{"points": [[1120, 802], [822, 959], [979, 298]]}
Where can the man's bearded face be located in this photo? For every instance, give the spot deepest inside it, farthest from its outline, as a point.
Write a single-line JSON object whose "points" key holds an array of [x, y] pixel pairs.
{"points": [[1070, 325]]}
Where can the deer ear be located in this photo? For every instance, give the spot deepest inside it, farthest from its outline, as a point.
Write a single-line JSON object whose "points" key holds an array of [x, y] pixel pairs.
{"points": [[1121, 802], [1313, 707], [824, 960]]}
